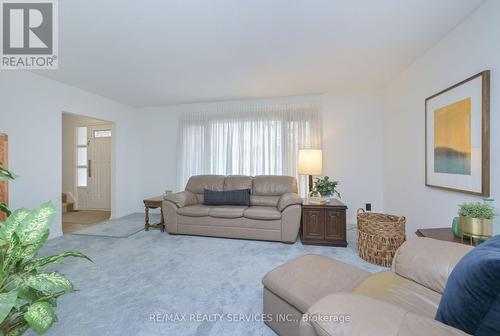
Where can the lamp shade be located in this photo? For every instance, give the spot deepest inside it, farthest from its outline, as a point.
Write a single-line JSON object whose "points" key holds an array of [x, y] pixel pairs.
{"points": [[310, 162]]}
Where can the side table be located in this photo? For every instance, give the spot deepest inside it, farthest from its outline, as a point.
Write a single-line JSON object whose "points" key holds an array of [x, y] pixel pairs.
{"points": [[153, 203], [324, 224]]}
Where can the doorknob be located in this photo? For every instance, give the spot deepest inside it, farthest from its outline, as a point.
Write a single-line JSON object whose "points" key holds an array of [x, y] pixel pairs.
{"points": [[89, 170]]}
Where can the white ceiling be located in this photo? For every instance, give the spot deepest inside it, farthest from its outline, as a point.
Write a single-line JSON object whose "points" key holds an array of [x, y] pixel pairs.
{"points": [[146, 53]]}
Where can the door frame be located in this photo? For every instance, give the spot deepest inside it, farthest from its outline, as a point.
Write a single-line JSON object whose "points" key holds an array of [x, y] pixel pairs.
{"points": [[113, 156]]}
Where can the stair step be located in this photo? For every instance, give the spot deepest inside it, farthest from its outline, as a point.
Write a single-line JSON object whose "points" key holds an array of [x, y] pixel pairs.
{"points": [[67, 206]]}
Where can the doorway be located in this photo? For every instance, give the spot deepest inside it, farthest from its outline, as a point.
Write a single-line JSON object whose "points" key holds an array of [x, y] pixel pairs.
{"points": [[87, 171]]}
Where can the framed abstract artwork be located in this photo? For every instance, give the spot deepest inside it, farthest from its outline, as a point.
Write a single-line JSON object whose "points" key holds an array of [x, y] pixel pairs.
{"points": [[457, 137]]}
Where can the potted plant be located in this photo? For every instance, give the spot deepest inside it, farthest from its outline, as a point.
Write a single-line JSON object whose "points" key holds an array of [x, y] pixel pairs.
{"points": [[28, 293], [326, 187], [476, 219]]}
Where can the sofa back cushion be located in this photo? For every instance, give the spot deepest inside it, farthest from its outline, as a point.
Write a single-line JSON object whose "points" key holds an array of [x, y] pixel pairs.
{"points": [[237, 182], [265, 190], [273, 185], [198, 183], [428, 261], [471, 299]]}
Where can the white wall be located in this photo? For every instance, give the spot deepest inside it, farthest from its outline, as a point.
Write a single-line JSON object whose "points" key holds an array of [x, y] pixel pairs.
{"points": [[352, 143], [470, 48], [31, 114], [159, 149], [353, 147]]}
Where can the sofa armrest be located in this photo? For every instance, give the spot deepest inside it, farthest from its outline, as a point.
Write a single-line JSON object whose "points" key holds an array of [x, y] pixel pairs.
{"points": [[288, 199], [351, 314], [182, 199], [428, 261]]}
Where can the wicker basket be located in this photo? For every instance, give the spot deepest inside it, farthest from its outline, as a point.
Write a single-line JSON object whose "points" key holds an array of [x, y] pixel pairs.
{"points": [[379, 236]]}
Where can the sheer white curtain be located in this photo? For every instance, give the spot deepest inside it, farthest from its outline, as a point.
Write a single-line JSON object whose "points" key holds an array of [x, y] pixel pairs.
{"points": [[247, 140]]}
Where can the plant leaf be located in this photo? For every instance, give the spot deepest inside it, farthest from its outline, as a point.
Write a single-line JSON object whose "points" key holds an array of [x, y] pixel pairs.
{"points": [[6, 174], [35, 225], [40, 316], [12, 223], [31, 250], [5, 209], [19, 329], [7, 301], [29, 294], [38, 263], [12, 253], [49, 282]]}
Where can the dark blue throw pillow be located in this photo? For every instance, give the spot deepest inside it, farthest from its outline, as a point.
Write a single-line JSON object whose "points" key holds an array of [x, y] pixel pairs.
{"points": [[229, 197], [471, 299]]}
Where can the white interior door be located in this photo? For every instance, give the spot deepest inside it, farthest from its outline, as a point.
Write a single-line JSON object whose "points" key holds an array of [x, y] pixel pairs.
{"points": [[99, 167]]}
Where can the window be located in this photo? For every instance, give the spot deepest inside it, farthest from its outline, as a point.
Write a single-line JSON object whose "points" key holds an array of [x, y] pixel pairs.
{"points": [[247, 140], [102, 134], [81, 157]]}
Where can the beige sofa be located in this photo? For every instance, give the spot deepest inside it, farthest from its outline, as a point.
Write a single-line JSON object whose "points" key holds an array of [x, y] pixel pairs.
{"points": [[274, 211], [313, 293]]}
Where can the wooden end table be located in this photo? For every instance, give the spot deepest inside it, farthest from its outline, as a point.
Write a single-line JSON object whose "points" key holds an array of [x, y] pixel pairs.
{"points": [[324, 224], [153, 203], [444, 234]]}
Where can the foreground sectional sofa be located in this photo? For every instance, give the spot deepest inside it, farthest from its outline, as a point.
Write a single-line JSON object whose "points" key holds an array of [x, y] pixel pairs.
{"points": [[273, 214], [314, 291]]}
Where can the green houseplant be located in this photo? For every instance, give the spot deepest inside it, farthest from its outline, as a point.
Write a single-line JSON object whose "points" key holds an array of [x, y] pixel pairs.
{"points": [[326, 187], [476, 210], [27, 292], [476, 219]]}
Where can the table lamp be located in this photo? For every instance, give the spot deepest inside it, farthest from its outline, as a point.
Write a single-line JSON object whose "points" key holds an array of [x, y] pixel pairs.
{"points": [[310, 162]]}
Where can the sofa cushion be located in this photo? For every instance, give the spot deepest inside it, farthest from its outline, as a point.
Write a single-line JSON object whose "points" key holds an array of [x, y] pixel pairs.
{"points": [[197, 210], [197, 184], [263, 213], [273, 185], [392, 288], [234, 182], [471, 299], [368, 316], [428, 261], [229, 197], [228, 211], [307, 279], [271, 201]]}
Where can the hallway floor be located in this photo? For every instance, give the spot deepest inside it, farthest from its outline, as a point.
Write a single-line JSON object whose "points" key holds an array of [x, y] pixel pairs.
{"points": [[78, 220]]}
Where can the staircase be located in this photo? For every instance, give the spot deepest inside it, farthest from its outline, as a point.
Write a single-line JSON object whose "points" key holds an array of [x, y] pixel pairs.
{"points": [[67, 205]]}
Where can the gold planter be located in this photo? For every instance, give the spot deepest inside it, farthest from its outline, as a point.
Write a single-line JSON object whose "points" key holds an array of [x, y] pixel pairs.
{"points": [[476, 228]]}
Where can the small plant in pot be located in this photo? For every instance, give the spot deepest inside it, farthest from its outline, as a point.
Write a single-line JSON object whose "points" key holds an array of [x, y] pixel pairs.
{"points": [[326, 187], [476, 219]]}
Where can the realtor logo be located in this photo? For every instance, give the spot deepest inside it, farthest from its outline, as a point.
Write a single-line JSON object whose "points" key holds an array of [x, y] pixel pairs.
{"points": [[29, 34]]}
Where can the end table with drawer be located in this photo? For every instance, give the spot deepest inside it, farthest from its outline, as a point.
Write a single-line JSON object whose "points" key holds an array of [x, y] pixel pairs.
{"points": [[324, 224]]}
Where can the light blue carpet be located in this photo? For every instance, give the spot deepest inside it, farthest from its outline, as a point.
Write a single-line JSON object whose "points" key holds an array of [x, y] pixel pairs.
{"points": [[155, 273], [119, 228]]}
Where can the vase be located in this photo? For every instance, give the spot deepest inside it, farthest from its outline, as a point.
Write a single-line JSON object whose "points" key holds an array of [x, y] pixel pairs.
{"points": [[475, 227], [455, 227]]}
